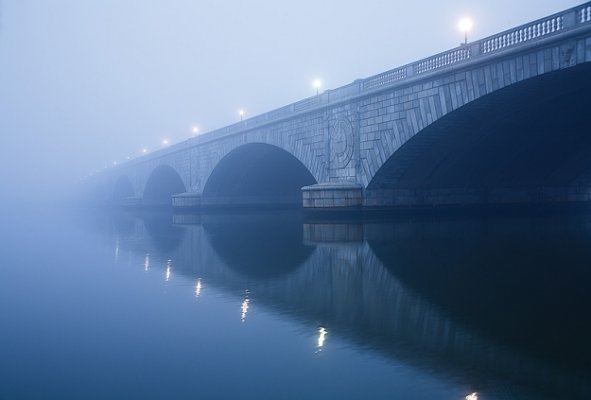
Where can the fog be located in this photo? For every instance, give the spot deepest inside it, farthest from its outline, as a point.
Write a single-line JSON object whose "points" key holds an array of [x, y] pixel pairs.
{"points": [[86, 83]]}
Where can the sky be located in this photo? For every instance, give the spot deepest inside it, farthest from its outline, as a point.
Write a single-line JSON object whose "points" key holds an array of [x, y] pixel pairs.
{"points": [[84, 83]]}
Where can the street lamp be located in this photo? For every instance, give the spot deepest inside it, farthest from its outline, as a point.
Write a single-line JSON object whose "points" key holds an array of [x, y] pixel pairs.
{"points": [[241, 113], [465, 26], [195, 130], [144, 151], [165, 142], [317, 84]]}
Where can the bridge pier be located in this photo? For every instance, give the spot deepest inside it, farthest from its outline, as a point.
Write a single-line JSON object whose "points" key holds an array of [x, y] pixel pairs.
{"points": [[131, 201], [332, 195], [186, 200]]}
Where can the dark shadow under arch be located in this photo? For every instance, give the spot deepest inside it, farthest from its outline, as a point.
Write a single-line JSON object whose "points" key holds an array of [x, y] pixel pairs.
{"points": [[164, 182], [257, 174], [533, 134]]}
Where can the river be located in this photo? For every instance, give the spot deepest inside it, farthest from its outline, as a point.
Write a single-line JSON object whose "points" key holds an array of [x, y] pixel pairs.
{"points": [[285, 305]]}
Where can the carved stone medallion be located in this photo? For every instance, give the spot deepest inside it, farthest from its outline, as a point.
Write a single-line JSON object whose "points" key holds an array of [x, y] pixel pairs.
{"points": [[341, 143]]}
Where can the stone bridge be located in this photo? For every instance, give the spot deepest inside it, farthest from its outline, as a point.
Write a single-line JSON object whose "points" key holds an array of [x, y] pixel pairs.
{"points": [[500, 120]]}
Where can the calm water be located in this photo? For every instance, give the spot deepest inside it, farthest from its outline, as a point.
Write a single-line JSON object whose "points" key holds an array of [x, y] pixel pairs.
{"points": [[98, 305]]}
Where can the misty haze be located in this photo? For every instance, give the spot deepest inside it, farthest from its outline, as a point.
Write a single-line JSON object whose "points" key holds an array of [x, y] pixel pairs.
{"points": [[295, 200]]}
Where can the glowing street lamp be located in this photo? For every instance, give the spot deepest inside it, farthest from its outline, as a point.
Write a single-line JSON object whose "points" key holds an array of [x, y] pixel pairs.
{"points": [[317, 85], [465, 26], [165, 142], [241, 113], [144, 151], [195, 130]]}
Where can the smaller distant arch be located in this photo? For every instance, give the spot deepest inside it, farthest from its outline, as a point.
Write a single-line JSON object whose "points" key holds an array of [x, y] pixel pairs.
{"points": [[123, 189]]}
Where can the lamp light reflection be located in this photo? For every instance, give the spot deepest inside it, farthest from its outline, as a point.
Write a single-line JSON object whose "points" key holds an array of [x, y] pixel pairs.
{"points": [[244, 307], [117, 249], [198, 288], [147, 262], [168, 270], [473, 396], [321, 337]]}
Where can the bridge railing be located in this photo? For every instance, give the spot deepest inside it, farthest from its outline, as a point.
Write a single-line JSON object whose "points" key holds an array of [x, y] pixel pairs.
{"points": [[534, 30], [513, 38], [585, 14], [442, 60]]}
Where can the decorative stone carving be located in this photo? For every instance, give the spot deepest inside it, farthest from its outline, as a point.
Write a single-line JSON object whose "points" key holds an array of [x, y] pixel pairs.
{"points": [[341, 142]]}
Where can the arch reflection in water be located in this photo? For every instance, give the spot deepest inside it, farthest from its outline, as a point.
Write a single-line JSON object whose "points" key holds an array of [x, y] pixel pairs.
{"points": [[411, 291]]}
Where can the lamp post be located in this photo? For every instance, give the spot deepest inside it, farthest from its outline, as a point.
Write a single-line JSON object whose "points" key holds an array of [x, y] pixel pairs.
{"points": [[317, 85], [241, 113], [465, 26]]}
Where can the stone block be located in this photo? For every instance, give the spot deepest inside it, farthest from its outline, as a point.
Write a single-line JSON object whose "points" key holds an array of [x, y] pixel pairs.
{"points": [[340, 202]]}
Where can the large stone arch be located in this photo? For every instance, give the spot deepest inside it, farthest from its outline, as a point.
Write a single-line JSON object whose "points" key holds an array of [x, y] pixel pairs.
{"points": [[163, 182], [304, 141], [256, 173], [524, 142]]}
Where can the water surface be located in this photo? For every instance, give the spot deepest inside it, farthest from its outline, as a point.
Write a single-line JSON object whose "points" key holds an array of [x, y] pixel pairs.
{"points": [[109, 305]]}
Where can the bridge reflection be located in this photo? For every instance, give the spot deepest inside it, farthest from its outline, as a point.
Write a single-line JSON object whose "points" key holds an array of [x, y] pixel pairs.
{"points": [[482, 301]]}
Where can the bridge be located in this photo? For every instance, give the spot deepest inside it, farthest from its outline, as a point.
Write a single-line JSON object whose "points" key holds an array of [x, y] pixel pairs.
{"points": [[499, 120]]}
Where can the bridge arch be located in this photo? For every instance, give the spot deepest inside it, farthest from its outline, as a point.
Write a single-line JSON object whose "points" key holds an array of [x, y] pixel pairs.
{"points": [[164, 182], [527, 141], [257, 174], [122, 189]]}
